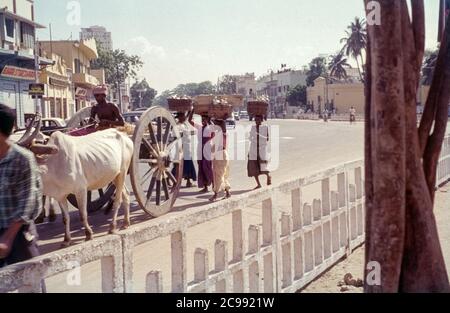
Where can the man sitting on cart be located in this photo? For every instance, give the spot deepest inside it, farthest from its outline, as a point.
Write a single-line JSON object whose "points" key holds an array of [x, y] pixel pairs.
{"points": [[108, 113]]}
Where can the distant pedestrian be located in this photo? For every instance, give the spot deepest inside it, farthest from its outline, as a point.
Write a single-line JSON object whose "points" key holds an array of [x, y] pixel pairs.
{"points": [[258, 158], [352, 115], [20, 197]]}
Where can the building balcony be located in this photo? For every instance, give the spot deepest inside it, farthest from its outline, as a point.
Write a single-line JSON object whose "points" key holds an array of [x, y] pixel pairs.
{"points": [[85, 80]]}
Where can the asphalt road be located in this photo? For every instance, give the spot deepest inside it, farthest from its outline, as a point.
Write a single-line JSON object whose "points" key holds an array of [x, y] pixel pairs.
{"points": [[305, 147]]}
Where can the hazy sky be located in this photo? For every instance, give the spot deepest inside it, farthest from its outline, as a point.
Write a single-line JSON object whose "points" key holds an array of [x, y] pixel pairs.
{"points": [[184, 41]]}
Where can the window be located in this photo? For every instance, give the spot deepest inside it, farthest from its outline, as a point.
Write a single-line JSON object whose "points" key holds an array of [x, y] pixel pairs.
{"points": [[77, 66], [9, 26], [26, 35]]}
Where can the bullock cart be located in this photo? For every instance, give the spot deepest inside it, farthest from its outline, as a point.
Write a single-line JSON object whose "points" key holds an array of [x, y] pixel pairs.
{"points": [[157, 151]]}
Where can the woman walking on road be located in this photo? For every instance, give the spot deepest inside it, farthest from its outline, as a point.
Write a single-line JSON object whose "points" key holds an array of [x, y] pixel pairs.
{"points": [[187, 131], [258, 158], [204, 133], [221, 163]]}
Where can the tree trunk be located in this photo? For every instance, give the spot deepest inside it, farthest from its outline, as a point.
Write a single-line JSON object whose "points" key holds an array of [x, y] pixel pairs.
{"points": [[401, 232]]}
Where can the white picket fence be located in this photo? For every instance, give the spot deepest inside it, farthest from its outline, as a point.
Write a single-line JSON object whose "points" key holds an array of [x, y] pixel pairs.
{"points": [[285, 252]]}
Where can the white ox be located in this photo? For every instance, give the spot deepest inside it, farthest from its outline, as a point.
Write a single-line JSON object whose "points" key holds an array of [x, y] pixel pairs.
{"points": [[75, 165]]}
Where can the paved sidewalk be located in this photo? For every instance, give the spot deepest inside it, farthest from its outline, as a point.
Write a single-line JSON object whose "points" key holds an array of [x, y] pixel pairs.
{"points": [[328, 282]]}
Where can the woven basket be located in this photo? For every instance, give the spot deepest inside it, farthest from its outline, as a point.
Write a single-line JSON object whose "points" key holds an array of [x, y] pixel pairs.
{"points": [[255, 108], [220, 111], [202, 103], [180, 105], [236, 101]]}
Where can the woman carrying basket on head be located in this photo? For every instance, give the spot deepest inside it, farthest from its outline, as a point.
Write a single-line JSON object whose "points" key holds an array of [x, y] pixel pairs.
{"points": [[258, 159]]}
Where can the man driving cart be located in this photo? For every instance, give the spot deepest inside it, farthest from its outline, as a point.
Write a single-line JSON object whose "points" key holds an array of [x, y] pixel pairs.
{"points": [[107, 113]]}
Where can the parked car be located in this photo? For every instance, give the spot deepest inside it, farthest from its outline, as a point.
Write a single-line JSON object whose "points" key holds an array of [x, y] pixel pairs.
{"points": [[132, 117], [230, 123], [51, 125], [244, 115]]}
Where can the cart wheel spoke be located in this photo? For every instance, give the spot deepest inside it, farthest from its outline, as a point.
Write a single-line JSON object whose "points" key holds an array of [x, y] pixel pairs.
{"points": [[159, 133], [153, 138], [147, 176], [171, 177], [166, 188], [149, 146], [158, 192], [166, 135], [151, 187], [148, 161]]}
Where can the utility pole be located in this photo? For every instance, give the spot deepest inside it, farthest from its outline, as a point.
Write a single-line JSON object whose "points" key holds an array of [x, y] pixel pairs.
{"points": [[119, 91], [37, 105]]}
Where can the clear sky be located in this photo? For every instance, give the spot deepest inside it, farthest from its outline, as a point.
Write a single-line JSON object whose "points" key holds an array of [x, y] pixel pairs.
{"points": [[184, 41]]}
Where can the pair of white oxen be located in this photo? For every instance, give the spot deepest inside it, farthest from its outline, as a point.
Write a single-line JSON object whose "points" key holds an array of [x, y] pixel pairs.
{"points": [[74, 165]]}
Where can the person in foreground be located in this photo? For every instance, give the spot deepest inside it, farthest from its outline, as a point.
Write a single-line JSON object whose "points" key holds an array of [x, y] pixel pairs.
{"points": [[20, 197]]}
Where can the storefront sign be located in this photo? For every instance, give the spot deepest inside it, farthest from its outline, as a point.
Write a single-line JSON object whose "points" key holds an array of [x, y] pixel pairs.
{"points": [[18, 73], [58, 82], [80, 93], [36, 90]]}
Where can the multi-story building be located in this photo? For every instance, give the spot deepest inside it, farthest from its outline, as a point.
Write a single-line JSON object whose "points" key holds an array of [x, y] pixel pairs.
{"points": [[58, 100], [100, 34], [276, 87], [246, 85], [18, 62], [78, 56], [339, 96]]}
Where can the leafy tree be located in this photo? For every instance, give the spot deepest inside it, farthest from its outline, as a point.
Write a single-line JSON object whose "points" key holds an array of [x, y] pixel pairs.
{"points": [[297, 96], [142, 94], [317, 68], [228, 85], [161, 100], [118, 65], [338, 65], [194, 89], [356, 43]]}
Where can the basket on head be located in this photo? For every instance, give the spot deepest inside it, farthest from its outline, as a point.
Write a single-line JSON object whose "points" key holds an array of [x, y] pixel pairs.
{"points": [[236, 101], [202, 103], [256, 108], [180, 105]]}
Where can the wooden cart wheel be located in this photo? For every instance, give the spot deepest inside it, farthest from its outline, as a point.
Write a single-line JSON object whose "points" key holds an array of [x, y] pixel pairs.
{"points": [[80, 119], [97, 199], [157, 165]]}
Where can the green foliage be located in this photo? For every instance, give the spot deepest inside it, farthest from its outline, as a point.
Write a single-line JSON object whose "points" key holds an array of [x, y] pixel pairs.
{"points": [[297, 96], [118, 65], [355, 43], [338, 65], [317, 68], [194, 89], [228, 85], [142, 94]]}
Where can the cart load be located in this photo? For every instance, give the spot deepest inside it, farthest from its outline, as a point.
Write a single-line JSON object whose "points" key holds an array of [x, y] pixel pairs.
{"points": [[182, 105], [217, 106]]}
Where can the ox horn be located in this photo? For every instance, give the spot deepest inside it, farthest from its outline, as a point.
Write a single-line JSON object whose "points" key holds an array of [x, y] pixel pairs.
{"points": [[39, 149], [28, 138]]}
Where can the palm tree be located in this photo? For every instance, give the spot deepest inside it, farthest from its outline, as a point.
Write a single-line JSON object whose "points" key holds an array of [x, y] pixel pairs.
{"points": [[356, 42], [338, 65]]}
